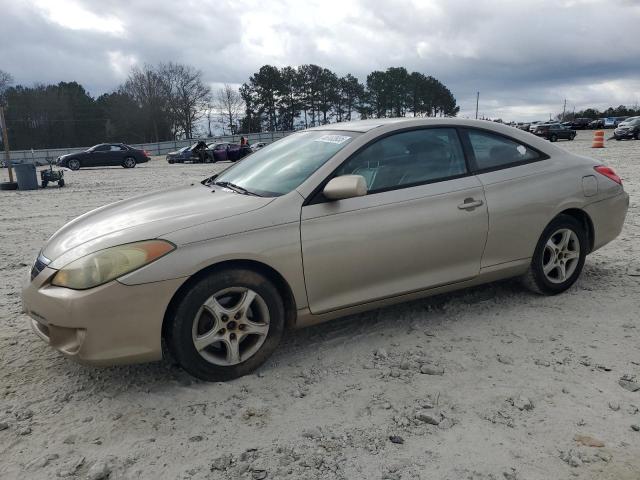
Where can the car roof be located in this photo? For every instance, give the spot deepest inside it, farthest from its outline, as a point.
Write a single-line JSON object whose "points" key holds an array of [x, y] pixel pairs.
{"points": [[362, 125]]}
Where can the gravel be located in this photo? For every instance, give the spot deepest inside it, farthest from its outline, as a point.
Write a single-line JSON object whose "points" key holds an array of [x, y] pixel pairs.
{"points": [[498, 343]]}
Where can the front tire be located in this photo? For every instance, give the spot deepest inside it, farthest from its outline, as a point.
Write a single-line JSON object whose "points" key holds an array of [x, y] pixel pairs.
{"points": [[73, 164], [226, 325], [558, 258], [553, 138]]}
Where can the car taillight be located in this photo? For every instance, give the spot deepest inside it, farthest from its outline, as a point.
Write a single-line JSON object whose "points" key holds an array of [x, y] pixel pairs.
{"points": [[609, 173], [146, 153]]}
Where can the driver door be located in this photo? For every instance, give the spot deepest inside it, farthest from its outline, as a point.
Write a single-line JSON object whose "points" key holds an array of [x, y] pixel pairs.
{"points": [[422, 224], [99, 156]]}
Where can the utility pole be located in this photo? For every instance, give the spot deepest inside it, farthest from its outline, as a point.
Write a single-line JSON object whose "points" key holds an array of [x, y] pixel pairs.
{"points": [[477, 101], [5, 140], [564, 108]]}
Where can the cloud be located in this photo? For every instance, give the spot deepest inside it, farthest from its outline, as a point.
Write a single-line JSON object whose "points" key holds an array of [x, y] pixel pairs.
{"points": [[524, 57]]}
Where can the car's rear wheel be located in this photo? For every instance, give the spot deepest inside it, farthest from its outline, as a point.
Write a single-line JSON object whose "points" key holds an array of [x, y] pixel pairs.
{"points": [[129, 162], [558, 258], [226, 325], [553, 138], [73, 164]]}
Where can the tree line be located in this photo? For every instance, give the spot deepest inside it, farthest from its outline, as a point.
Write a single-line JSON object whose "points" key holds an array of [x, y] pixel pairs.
{"points": [[155, 103], [172, 101], [309, 95], [593, 113]]}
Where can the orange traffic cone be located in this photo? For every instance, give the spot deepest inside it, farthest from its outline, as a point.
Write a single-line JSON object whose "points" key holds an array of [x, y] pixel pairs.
{"points": [[598, 139]]}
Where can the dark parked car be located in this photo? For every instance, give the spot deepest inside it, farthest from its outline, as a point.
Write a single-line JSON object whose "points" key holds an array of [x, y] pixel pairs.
{"points": [[213, 152], [104, 155], [579, 123], [196, 153], [554, 131], [629, 129], [228, 151], [597, 123]]}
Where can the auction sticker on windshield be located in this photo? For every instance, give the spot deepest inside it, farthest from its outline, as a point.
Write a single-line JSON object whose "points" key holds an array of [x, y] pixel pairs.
{"points": [[332, 139]]}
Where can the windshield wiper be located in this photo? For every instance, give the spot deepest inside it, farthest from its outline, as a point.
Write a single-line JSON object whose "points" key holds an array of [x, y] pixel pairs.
{"points": [[236, 188]]}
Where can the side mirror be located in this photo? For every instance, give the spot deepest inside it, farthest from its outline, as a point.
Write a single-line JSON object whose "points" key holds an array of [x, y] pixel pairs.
{"points": [[345, 186]]}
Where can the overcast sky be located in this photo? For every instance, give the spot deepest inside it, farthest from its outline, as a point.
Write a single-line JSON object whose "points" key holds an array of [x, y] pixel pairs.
{"points": [[524, 56]]}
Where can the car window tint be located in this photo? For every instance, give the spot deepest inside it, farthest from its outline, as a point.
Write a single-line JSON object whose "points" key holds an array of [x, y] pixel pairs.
{"points": [[116, 148], [408, 158], [494, 151], [102, 148]]}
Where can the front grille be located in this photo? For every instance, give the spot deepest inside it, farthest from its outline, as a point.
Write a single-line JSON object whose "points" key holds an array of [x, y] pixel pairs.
{"points": [[39, 265]]}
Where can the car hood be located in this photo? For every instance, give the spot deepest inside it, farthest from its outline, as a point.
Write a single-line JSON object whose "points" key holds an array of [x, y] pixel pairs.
{"points": [[146, 216]]}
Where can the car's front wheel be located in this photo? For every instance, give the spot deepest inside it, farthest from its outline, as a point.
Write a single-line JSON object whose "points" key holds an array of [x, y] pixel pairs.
{"points": [[558, 258], [226, 325], [553, 138], [73, 164]]}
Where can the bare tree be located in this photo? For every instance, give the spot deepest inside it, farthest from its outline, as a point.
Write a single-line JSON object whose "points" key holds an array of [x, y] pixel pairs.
{"points": [[188, 95], [230, 105], [152, 93], [5, 81]]}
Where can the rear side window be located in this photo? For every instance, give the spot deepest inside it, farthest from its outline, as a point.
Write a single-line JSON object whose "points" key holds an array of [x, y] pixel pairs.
{"points": [[495, 151]]}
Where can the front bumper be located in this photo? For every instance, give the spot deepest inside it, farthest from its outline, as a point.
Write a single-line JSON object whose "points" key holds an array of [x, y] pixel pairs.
{"points": [[106, 325], [623, 133]]}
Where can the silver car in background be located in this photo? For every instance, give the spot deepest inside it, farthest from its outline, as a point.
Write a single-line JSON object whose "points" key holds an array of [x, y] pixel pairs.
{"points": [[324, 223]]}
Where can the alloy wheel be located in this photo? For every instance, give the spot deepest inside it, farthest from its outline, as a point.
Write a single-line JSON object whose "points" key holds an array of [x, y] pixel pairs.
{"points": [[231, 326], [561, 255]]}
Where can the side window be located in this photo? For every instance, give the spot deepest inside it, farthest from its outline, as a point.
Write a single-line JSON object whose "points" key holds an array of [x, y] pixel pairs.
{"points": [[116, 148], [495, 151], [408, 158], [102, 148]]}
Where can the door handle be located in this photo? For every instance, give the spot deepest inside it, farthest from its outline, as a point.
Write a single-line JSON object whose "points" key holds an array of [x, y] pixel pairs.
{"points": [[470, 204]]}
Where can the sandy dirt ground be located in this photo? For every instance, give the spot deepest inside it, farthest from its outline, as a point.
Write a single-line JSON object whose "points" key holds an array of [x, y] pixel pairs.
{"points": [[485, 384]]}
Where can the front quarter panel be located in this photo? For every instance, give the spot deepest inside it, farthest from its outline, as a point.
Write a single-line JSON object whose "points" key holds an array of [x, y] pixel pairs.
{"points": [[270, 236]]}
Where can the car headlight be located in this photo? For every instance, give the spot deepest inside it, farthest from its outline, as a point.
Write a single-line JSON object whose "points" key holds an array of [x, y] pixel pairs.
{"points": [[111, 263]]}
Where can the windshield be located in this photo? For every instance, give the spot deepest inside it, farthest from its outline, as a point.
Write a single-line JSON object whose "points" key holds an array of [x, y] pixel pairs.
{"points": [[93, 148], [282, 166]]}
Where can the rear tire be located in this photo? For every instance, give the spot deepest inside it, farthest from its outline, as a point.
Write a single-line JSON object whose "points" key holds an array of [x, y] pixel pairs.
{"points": [[61, 183], [558, 258], [129, 162], [553, 138], [240, 310]]}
